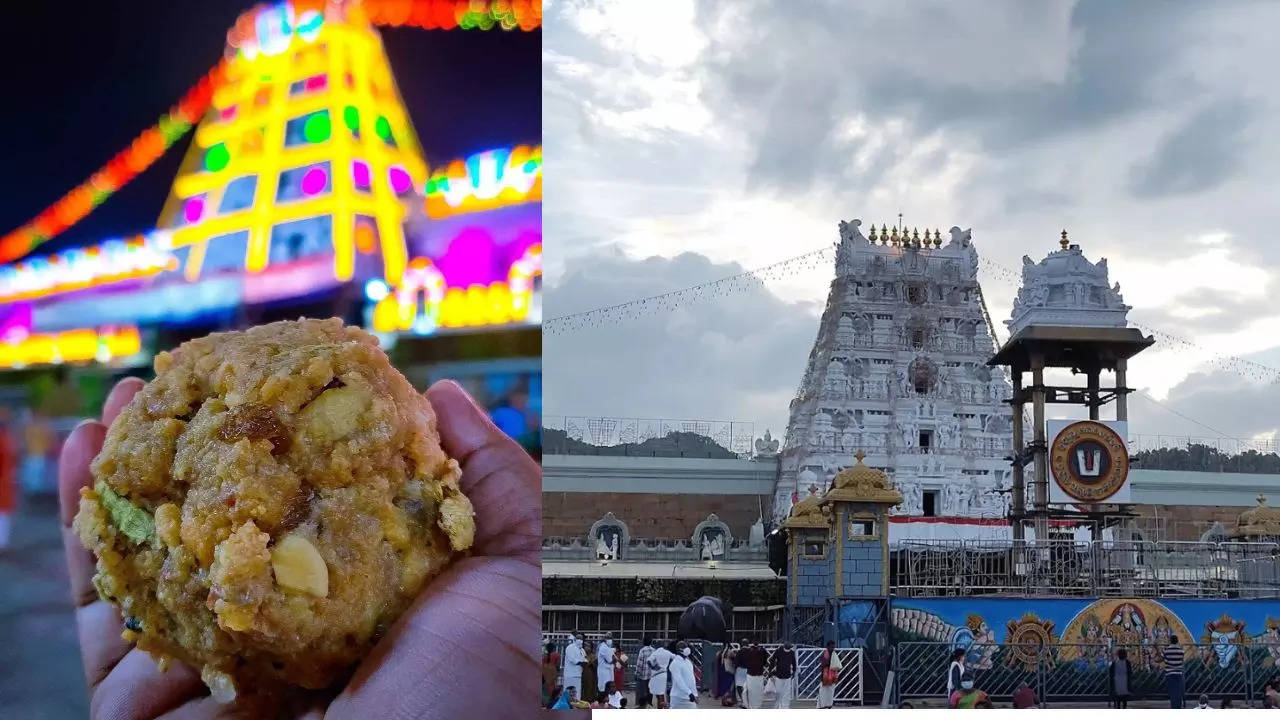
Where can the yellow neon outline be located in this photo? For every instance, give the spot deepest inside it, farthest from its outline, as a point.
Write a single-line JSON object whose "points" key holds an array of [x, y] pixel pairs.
{"points": [[356, 49]]}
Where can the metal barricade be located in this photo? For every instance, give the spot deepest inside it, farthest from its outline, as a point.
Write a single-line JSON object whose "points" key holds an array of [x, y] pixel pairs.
{"points": [[1073, 673]]}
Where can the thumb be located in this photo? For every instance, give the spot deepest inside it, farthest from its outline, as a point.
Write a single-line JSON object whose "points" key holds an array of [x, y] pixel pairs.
{"points": [[503, 483]]}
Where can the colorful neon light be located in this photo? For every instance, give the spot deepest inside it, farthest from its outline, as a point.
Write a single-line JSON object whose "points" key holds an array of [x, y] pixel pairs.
{"points": [[484, 181], [351, 76], [259, 33], [424, 302], [118, 171], [463, 14], [72, 346], [111, 262]]}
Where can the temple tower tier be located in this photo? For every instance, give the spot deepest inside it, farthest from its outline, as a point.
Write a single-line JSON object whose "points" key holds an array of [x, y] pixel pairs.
{"points": [[899, 369]]}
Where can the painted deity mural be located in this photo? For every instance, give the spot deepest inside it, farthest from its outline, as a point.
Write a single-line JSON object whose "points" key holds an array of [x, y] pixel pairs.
{"points": [[1083, 633]]}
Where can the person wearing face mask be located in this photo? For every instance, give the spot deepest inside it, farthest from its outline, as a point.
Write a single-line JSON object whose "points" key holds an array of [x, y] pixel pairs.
{"points": [[684, 688], [604, 663], [968, 696], [659, 660], [575, 658], [782, 668]]}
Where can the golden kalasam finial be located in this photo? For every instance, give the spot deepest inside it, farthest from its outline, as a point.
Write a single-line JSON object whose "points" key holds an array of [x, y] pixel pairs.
{"points": [[937, 238], [872, 236], [1064, 242], [894, 236], [884, 234], [915, 236]]}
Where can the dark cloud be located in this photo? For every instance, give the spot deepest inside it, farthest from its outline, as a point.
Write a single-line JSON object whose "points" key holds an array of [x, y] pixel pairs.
{"points": [[1217, 401], [989, 68], [1200, 155]]}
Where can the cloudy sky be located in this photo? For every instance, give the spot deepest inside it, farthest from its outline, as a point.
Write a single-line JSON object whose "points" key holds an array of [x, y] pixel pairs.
{"points": [[693, 140]]}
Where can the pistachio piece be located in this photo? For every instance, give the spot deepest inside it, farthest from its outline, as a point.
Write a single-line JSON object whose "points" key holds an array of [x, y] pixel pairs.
{"points": [[133, 521], [299, 567]]}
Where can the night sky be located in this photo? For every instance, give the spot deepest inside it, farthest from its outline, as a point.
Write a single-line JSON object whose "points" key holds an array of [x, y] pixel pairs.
{"points": [[83, 79]]}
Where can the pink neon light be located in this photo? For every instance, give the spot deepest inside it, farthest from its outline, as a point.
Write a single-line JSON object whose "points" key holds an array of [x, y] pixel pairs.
{"points": [[317, 82], [228, 112], [360, 173], [193, 210], [399, 178], [314, 181]]}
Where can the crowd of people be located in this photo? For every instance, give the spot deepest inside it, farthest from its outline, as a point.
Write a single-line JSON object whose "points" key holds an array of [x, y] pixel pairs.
{"points": [[666, 677], [746, 673]]}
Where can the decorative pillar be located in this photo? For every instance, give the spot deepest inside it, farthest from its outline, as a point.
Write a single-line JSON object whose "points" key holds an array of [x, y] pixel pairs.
{"points": [[1093, 393], [1041, 447], [1019, 500], [1122, 389]]}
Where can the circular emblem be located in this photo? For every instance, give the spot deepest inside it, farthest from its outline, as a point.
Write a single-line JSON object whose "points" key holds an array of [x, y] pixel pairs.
{"points": [[1089, 461], [1027, 637]]}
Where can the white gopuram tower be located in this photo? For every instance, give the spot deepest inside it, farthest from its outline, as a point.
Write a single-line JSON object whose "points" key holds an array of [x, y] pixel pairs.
{"points": [[899, 370]]}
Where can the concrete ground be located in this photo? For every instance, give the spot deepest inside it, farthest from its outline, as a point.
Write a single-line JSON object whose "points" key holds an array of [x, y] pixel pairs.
{"points": [[40, 671]]}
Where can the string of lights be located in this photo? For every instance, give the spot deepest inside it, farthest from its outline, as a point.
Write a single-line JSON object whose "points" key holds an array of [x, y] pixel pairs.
{"points": [[153, 142], [666, 302], [119, 170], [1169, 341]]}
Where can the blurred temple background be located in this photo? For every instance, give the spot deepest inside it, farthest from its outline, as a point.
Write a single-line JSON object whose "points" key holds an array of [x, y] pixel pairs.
{"points": [[371, 160]]}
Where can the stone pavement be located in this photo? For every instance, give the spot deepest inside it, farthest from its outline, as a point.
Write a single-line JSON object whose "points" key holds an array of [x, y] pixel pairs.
{"points": [[40, 671]]}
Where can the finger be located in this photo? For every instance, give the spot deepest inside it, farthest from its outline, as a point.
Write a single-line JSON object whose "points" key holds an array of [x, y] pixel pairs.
{"points": [[73, 474], [479, 613], [119, 397], [503, 483], [137, 688], [101, 646], [81, 446]]}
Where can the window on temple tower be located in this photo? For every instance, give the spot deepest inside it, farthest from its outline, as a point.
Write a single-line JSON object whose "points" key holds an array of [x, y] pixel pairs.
{"points": [[926, 439], [915, 295], [922, 386], [917, 339], [929, 504]]}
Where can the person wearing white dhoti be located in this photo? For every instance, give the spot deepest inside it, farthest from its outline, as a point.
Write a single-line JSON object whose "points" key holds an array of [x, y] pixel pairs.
{"points": [[658, 662], [831, 668], [755, 660], [740, 672], [604, 662], [684, 687], [782, 669], [574, 659]]}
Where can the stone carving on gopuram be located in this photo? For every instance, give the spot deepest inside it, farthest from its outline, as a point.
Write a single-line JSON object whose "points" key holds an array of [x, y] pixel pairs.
{"points": [[1066, 289], [899, 369]]}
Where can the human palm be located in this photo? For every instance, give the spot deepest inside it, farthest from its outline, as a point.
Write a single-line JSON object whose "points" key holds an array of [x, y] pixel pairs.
{"points": [[468, 646]]}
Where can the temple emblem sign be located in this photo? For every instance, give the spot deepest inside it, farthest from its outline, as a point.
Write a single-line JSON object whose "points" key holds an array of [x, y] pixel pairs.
{"points": [[1089, 462]]}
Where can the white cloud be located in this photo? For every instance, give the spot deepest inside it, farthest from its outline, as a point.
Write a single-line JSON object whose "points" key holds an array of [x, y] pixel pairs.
{"points": [[745, 131]]}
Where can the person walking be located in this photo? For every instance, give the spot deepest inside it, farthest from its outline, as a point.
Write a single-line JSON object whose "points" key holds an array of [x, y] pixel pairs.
{"points": [[753, 693], [782, 668], [831, 668], [684, 686], [604, 663], [574, 660], [740, 671], [550, 672], [723, 688], [643, 673], [659, 660], [1119, 676], [1174, 656], [955, 671]]}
